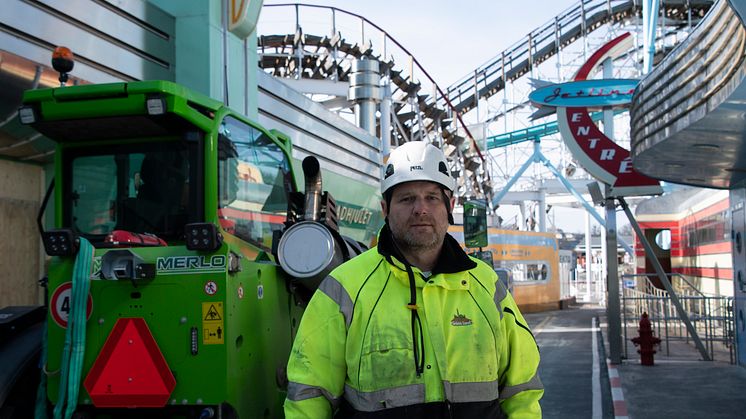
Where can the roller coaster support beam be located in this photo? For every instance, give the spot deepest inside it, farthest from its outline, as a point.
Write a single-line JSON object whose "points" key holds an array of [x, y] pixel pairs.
{"points": [[588, 207], [613, 310], [650, 10], [538, 157], [497, 198], [664, 280]]}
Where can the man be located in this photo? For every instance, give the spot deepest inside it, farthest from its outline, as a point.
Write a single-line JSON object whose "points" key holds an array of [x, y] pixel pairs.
{"points": [[415, 327]]}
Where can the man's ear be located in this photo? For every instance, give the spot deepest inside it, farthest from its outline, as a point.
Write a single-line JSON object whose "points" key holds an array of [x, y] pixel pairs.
{"points": [[453, 202], [384, 209]]}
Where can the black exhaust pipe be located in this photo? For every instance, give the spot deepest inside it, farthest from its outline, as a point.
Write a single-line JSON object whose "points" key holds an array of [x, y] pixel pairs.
{"points": [[312, 174]]}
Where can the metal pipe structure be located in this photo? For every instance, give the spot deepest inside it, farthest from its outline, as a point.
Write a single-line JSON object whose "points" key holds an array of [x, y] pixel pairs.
{"points": [[385, 120], [649, 26], [574, 192], [365, 92]]}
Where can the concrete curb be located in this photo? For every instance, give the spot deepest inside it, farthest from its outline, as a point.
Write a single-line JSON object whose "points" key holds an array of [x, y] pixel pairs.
{"points": [[617, 394]]}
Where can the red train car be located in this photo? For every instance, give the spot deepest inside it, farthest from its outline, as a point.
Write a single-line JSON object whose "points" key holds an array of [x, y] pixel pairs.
{"points": [[689, 231]]}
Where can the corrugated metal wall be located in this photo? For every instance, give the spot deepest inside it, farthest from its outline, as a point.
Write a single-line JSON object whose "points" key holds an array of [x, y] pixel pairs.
{"points": [[112, 40]]}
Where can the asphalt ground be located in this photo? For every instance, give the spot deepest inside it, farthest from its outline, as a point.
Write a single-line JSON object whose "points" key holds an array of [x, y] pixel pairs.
{"points": [[680, 384], [576, 375], [572, 363]]}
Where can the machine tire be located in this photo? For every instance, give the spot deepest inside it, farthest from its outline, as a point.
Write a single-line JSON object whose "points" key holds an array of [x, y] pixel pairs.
{"points": [[19, 373]]}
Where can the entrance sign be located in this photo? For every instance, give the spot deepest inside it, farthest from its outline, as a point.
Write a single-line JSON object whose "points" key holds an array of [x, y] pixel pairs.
{"points": [[598, 154], [586, 93], [602, 157]]}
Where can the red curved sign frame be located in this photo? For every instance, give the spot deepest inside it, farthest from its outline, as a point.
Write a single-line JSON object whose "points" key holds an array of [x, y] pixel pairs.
{"points": [[598, 154]]}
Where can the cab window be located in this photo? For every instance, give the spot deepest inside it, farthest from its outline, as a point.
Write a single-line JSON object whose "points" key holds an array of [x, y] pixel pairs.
{"points": [[254, 179], [149, 188]]}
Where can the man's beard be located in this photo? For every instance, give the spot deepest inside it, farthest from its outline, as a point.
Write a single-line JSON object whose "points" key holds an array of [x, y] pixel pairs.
{"points": [[411, 241]]}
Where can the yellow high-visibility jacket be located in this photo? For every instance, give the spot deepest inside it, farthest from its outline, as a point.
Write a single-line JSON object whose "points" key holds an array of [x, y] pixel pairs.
{"points": [[355, 346]]}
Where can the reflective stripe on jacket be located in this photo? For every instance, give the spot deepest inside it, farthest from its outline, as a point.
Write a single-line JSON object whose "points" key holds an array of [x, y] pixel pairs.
{"points": [[355, 343]]}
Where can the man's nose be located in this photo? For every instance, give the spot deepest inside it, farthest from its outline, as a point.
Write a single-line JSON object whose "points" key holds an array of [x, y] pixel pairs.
{"points": [[420, 206]]}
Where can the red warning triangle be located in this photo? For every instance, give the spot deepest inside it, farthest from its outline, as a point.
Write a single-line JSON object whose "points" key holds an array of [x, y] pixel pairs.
{"points": [[130, 370]]}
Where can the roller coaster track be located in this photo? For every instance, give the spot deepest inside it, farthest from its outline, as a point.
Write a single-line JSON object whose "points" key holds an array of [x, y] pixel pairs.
{"points": [[300, 55], [532, 133], [431, 114], [547, 40]]}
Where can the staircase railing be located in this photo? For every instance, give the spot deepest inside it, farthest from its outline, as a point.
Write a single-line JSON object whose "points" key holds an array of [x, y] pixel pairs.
{"points": [[712, 316]]}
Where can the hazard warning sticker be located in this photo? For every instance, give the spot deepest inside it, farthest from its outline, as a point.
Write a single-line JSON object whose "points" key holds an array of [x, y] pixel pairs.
{"points": [[61, 302], [213, 329]]}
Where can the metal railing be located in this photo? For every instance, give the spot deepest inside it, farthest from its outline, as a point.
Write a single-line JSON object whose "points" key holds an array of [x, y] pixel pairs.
{"points": [[712, 316]]}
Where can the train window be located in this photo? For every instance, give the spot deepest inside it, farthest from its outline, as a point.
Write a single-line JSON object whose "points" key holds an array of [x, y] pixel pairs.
{"points": [[708, 230], [484, 255], [253, 178], [528, 272], [663, 239]]}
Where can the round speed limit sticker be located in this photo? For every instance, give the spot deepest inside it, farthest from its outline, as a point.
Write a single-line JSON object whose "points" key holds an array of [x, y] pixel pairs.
{"points": [[61, 301]]}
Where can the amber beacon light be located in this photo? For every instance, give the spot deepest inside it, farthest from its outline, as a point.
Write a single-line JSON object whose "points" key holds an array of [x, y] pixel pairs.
{"points": [[63, 61]]}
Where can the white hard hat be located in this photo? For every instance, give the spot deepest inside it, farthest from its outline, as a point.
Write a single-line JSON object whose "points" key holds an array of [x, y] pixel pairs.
{"points": [[417, 160]]}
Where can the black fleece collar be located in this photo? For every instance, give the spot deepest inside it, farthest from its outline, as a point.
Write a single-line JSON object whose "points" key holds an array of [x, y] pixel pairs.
{"points": [[452, 258]]}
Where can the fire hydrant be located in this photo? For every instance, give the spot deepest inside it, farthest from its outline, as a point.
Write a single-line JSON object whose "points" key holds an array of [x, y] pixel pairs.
{"points": [[646, 341]]}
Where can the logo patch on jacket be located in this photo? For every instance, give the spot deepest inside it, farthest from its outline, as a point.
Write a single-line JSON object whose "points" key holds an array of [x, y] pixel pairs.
{"points": [[460, 320]]}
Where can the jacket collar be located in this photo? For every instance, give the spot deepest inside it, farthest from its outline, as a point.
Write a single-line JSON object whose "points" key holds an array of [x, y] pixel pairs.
{"points": [[452, 258]]}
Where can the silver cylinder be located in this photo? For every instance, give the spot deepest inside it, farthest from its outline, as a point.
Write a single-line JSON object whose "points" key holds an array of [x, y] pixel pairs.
{"points": [[365, 115], [365, 92]]}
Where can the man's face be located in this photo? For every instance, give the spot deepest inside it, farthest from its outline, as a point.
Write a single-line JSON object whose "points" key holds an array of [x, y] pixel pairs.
{"points": [[417, 215]]}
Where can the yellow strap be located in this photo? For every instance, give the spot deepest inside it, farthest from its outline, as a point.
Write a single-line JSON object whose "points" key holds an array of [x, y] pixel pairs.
{"points": [[412, 306]]}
